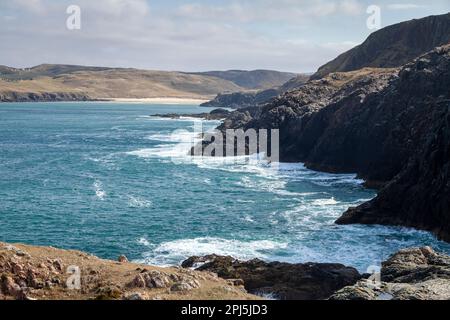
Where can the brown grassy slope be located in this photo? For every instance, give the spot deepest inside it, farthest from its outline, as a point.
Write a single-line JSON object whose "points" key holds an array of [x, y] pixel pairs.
{"points": [[124, 83], [41, 273]]}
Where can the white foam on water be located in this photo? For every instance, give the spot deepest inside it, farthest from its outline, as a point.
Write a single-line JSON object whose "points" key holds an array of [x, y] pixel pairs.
{"points": [[325, 202], [99, 192], [143, 241], [180, 136], [174, 252], [178, 146], [160, 151], [137, 202]]}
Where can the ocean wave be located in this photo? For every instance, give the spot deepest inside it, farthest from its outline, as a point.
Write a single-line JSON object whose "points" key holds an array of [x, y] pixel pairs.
{"points": [[174, 252], [162, 151], [325, 202], [179, 136]]}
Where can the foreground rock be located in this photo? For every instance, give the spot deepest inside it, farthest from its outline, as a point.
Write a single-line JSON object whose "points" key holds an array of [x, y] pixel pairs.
{"points": [[310, 281], [411, 274], [43, 273]]}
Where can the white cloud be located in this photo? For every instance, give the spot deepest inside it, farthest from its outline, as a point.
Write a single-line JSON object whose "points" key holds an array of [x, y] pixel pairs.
{"points": [[270, 10], [35, 6], [404, 6], [290, 35], [351, 7], [131, 8]]}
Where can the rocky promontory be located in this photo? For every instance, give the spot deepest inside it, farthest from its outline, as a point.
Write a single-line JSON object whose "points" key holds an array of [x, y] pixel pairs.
{"points": [[390, 126]]}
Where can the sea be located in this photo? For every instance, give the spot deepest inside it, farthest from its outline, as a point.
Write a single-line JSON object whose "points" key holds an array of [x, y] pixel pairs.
{"points": [[113, 179]]}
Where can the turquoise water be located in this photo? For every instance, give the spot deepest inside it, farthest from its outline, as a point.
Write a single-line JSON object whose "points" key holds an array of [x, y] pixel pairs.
{"points": [[109, 179]]}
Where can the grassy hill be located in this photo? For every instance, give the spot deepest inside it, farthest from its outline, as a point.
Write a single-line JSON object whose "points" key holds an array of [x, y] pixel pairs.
{"points": [[256, 79], [67, 82]]}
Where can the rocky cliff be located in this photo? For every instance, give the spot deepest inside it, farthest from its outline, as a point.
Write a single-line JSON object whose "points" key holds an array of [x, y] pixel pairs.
{"points": [[393, 46], [391, 126]]}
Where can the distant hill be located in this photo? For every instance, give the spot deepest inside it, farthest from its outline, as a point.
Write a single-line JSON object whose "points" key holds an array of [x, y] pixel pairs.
{"points": [[256, 79], [68, 82], [393, 46], [237, 100]]}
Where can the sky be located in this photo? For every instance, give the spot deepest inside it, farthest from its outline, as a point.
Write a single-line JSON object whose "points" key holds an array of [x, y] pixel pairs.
{"points": [[198, 35]]}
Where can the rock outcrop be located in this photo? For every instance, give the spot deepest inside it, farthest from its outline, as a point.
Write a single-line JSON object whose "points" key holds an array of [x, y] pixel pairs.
{"points": [[418, 195], [309, 281], [391, 126], [43, 273], [411, 274], [393, 46]]}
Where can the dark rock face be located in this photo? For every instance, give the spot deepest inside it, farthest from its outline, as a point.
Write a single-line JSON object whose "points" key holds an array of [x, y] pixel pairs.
{"points": [[418, 196], [411, 274], [310, 281], [393, 46], [391, 126]]}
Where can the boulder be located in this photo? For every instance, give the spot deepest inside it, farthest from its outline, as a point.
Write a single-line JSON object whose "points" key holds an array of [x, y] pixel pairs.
{"points": [[309, 281], [410, 274]]}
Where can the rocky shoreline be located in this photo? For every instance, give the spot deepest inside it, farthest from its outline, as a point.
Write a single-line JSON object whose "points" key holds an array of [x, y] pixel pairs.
{"points": [[390, 126], [46, 273]]}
